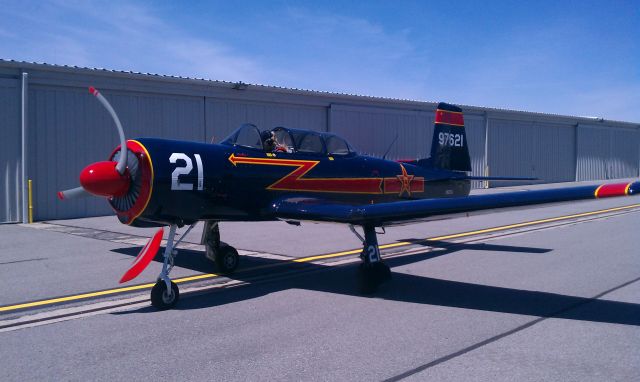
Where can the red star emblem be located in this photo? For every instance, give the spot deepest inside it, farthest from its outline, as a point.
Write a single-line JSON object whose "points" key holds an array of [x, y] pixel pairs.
{"points": [[405, 181]]}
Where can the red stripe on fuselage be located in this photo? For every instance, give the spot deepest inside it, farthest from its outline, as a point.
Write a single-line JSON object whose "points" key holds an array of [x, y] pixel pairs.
{"points": [[340, 185], [394, 185], [403, 183]]}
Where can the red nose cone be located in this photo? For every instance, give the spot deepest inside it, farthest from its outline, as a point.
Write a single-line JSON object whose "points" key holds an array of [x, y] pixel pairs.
{"points": [[102, 179]]}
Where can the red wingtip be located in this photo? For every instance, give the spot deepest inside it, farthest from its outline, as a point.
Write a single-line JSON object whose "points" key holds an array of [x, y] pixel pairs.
{"points": [[93, 90], [60, 195], [147, 253]]}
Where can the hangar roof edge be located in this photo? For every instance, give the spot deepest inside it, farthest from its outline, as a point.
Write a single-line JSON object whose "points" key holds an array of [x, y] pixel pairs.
{"points": [[133, 74]]}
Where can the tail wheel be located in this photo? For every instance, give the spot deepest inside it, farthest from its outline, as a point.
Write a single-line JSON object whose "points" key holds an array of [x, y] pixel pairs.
{"points": [[227, 259], [163, 299]]}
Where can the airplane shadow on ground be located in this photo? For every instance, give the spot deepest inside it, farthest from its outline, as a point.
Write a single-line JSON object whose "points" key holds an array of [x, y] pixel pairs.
{"points": [[402, 287]]}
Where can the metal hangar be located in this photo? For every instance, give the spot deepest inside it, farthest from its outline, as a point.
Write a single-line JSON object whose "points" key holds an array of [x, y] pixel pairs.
{"points": [[51, 128]]}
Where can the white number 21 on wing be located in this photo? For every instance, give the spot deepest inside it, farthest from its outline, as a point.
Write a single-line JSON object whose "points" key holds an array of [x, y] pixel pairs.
{"points": [[176, 184]]}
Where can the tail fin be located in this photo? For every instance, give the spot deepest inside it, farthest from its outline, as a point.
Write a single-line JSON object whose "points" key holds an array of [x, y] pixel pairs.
{"points": [[449, 148]]}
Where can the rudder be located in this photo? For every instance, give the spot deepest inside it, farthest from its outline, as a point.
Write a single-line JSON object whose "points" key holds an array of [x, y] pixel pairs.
{"points": [[449, 148]]}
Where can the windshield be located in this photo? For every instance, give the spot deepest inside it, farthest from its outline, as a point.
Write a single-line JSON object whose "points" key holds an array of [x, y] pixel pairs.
{"points": [[308, 142], [246, 135], [289, 140], [336, 145], [284, 138]]}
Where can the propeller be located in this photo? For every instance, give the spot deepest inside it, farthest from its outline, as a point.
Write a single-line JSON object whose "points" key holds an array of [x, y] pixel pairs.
{"points": [[147, 253], [107, 178], [125, 183], [73, 193]]}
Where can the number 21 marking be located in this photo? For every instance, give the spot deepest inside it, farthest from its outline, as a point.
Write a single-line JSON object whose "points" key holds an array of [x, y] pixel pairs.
{"points": [[176, 184]]}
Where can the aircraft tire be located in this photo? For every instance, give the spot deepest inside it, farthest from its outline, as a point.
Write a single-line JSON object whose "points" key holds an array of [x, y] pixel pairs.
{"points": [[227, 259], [160, 299]]}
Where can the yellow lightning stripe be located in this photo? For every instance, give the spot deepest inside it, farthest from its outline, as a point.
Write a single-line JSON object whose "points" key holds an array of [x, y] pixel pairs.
{"points": [[298, 174], [205, 276]]}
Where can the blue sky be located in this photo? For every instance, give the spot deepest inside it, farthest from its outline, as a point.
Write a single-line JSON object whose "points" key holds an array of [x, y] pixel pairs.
{"points": [[565, 57]]}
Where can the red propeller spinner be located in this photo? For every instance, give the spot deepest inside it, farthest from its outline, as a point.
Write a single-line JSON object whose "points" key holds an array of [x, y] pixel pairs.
{"points": [[102, 179]]}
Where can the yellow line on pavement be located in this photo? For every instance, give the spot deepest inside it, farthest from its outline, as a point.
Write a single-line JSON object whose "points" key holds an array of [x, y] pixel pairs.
{"points": [[74, 297], [308, 259], [471, 233]]}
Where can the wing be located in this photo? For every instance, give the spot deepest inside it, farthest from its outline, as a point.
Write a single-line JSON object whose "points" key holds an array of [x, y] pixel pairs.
{"points": [[298, 208]]}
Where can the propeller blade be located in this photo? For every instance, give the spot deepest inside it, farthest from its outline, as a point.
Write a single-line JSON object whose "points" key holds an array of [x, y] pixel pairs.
{"points": [[73, 193], [102, 178], [122, 163], [147, 253]]}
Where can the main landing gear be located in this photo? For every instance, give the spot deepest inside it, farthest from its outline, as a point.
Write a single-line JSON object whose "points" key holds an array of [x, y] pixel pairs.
{"points": [[165, 294], [223, 255], [372, 272]]}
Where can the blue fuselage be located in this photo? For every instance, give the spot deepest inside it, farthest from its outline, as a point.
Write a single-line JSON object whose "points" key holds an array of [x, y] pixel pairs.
{"points": [[196, 181]]}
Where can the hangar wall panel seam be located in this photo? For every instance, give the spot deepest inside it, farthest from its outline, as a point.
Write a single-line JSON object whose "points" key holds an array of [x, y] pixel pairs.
{"points": [[10, 151]]}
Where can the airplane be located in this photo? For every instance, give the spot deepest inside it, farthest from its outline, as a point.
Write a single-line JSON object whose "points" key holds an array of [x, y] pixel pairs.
{"points": [[293, 175]]}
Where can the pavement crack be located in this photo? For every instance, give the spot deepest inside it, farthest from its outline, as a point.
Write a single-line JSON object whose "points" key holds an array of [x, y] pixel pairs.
{"points": [[498, 337], [23, 261]]}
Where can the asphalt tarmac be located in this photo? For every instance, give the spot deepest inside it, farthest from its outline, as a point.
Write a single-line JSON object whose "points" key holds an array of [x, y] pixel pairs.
{"points": [[547, 300]]}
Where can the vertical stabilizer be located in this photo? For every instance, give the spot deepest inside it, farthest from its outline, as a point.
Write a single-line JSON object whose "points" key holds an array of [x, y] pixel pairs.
{"points": [[449, 147]]}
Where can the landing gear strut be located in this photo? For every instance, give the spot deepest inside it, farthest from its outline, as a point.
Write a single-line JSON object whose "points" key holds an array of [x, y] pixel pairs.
{"points": [[372, 271], [223, 255], [165, 294]]}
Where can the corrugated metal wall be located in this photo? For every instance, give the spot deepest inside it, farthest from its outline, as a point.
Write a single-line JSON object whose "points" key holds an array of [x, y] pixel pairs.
{"points": [[10, 150], [605, 153], [371, 130], [531, 149], [68, 129]]}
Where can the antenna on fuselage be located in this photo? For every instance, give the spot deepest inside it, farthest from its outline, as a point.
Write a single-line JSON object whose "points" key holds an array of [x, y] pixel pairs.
{"points": [[390, 146]]}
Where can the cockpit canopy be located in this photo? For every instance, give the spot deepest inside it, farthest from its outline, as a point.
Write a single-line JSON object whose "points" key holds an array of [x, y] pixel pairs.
{"points": [[290, 140]]}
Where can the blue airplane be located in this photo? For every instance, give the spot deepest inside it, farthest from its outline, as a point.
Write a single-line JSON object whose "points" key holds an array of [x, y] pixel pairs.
{"points": [[292, 175]]}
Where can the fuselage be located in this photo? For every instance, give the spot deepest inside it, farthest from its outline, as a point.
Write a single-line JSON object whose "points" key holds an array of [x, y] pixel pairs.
{"points": [[194, 181]]}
